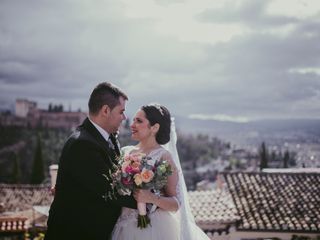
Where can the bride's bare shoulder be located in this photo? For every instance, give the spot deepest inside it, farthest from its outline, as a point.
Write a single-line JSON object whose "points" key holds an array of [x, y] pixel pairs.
{"points": [[166, 155]]}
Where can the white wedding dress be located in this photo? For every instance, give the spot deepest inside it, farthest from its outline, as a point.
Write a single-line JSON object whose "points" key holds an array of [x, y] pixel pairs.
{"points": [[167, 225], [164, 224]]}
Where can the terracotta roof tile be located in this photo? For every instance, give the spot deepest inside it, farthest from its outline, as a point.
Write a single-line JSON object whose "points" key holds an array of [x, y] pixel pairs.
{"points": [[212, 208], [276, 201], [23, 197]]}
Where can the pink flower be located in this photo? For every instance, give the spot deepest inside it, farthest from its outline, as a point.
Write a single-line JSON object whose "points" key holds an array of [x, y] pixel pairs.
{"points": [[136, 166], [146, 175], [126, 181], [128, 176], [124, 166]]}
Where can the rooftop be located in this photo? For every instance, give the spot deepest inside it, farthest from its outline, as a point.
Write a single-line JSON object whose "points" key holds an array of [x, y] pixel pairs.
{"points": [[276, 201], [16, 198], [213, 209], [264, 201]]}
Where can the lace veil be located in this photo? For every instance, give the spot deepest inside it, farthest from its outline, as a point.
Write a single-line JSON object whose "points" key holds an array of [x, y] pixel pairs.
{"points": [[188, 228]]}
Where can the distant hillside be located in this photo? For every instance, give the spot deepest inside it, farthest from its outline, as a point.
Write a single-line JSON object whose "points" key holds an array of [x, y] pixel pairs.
{"points": [[240, 131]]}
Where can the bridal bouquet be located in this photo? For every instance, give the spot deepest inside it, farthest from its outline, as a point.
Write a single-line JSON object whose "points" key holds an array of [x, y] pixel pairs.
{"points": [[138, 171]]}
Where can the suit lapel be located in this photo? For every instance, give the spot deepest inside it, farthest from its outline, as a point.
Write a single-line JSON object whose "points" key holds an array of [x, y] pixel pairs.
{"points": [[99, 139]]}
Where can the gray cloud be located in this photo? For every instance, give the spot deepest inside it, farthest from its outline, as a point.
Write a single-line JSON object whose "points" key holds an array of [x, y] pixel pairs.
{"points": [[249, 12], [58, 51], [254, 78], [168, 2]]}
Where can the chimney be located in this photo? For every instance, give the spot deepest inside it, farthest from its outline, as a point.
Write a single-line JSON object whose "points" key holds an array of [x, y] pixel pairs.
{"points": [[53, 174]]}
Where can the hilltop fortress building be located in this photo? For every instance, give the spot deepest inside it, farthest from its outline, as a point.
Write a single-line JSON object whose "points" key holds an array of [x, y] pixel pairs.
{"points": [[27, 114]]}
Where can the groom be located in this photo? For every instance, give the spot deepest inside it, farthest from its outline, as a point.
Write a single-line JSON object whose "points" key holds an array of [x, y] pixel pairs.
{"points": [[79, 210]]}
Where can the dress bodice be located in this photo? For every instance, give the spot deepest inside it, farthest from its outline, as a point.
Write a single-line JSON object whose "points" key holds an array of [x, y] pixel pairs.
{"points": [[156, 155]]}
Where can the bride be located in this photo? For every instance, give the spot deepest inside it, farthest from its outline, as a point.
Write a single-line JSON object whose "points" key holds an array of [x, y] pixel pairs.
{"points": [[154, 130]]}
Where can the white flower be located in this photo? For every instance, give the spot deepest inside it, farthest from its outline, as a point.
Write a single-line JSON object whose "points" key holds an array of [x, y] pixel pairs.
{"points": [[151, 162]]}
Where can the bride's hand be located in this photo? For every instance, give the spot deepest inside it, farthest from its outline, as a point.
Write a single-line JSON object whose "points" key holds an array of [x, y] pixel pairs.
{"points": [[144, 196]]}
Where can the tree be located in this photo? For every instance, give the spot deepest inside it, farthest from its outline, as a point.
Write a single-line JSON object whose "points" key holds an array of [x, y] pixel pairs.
{"points": [[60, 108], [37, 175], [16, 172], [286, 159], [50, 107], [263, 156], [273, 157], [292, 159]]}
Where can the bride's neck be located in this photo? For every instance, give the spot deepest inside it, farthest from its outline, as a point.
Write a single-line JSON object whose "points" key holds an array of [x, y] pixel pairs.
{"points": [[148, 145]]}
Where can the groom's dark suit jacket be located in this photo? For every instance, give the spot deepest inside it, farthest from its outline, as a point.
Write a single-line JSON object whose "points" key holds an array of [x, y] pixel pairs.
{"points": [[79, 210]]}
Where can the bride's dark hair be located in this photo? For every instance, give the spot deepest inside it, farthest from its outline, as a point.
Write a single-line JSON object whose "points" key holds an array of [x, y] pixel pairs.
{"points": [[157, 113]]}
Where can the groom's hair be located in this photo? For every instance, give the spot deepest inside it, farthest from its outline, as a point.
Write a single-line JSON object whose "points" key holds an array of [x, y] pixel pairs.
{"points": [[105, 94], [157, 113]]}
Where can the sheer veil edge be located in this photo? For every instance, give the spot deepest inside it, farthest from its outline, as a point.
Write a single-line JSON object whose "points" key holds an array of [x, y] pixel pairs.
{"points": [[188, 228]]}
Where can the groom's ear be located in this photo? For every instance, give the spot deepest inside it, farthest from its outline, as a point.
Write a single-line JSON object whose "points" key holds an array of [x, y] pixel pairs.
{"points": [[105, 109]]}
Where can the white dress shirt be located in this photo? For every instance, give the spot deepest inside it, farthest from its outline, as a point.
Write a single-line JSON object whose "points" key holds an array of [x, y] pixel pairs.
{"points": [[103, 132]]}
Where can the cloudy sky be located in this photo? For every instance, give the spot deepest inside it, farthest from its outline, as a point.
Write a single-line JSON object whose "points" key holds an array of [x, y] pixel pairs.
{"points": [[224, 59]]}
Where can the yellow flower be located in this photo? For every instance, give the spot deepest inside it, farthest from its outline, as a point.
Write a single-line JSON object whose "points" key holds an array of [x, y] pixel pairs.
{"points": [[137, 179]]}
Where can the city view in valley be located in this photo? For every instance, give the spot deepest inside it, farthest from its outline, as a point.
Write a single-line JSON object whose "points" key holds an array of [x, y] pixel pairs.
{"points": [[221, 162]]}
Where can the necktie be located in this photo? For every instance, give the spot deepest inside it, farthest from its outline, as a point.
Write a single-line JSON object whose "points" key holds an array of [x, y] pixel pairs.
{"points": [[114, 144], [111, 145]]}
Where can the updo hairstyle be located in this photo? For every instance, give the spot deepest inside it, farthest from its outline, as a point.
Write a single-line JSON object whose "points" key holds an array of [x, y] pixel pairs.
{"points": [[157, 113]]}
